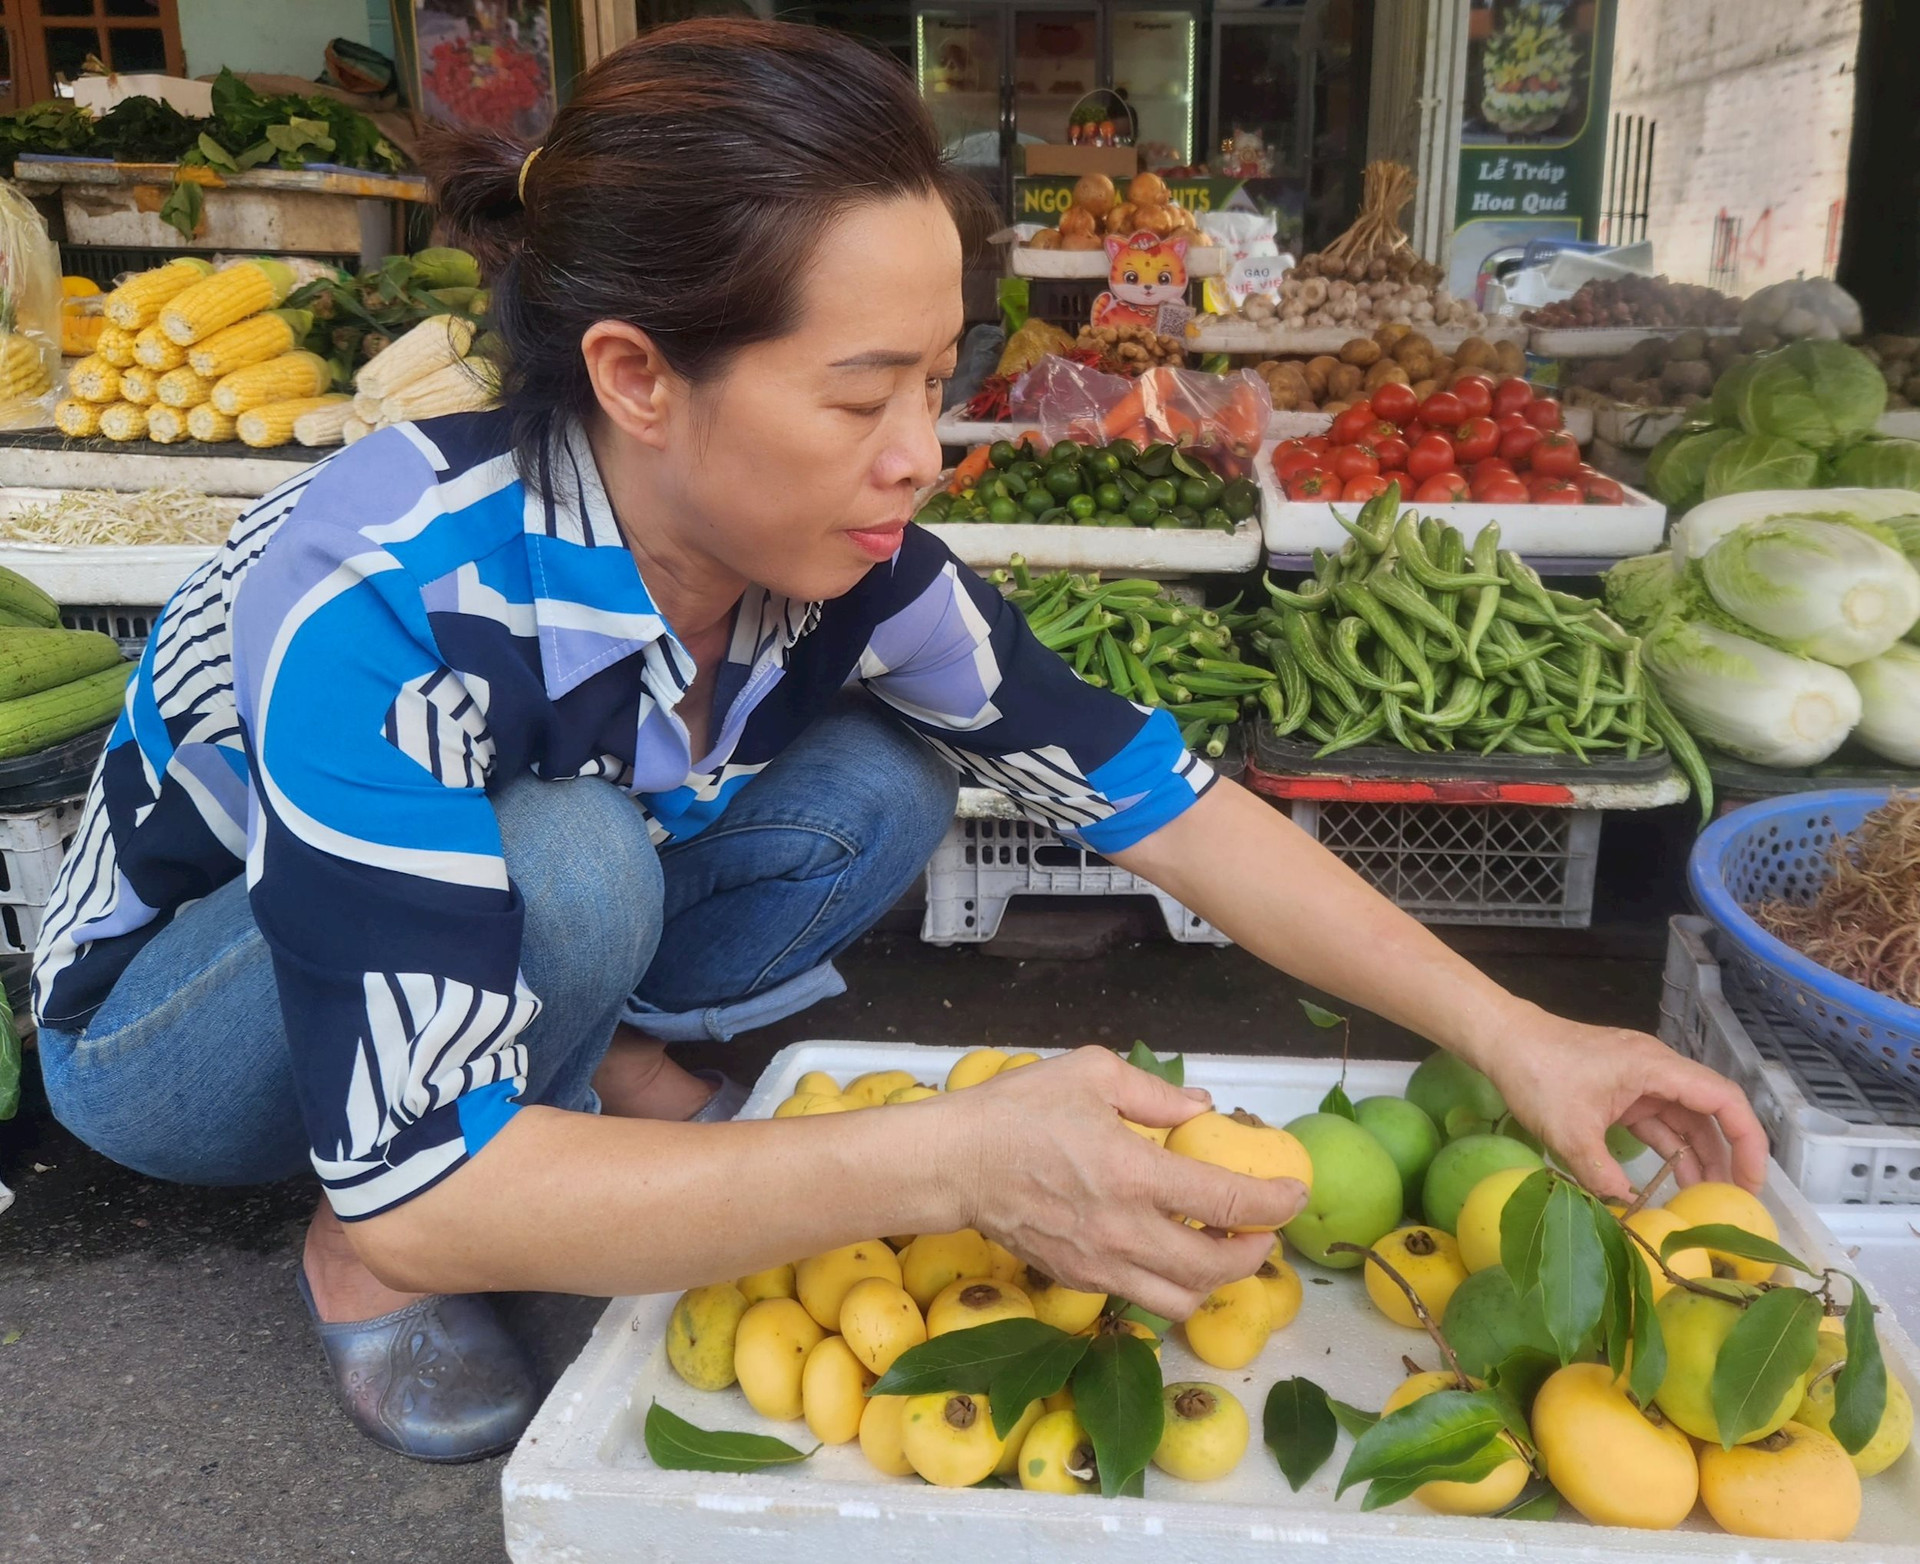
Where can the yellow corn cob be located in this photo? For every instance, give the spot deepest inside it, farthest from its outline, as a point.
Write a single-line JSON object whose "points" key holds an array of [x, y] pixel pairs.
{"points": [[182, 388], [138, 385], [24, 370], [137, 301], [115, 345], [272, 422], [94, 380], [462, 387], [207, 422], [354, 429], [154, 349], [436, 342], [230, 294], [166, 425], [289, 375], [251, 341], [123, 421], [76, 419], [325, 424]]}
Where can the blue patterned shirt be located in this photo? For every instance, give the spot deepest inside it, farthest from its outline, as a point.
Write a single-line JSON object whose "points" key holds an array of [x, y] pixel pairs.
{"points": [[406, 626]]}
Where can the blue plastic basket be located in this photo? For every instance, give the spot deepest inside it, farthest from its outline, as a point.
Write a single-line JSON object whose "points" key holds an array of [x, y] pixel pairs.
{"points": [[1778, 848]]}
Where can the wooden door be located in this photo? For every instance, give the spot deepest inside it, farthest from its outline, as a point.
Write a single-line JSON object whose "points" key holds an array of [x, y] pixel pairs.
{"points": [[47, 41]]}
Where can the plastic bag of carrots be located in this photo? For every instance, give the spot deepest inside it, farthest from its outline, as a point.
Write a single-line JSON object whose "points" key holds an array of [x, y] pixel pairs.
{"points": [[1223, 415]]}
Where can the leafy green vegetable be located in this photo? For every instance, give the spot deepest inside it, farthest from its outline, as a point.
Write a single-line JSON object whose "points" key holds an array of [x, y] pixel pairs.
{"points": [[1678, 476], [1750, 700], [1760, 461], [1816, 394], [1880, 464], [1889, 687], [1820, 588], [1638, 590]]}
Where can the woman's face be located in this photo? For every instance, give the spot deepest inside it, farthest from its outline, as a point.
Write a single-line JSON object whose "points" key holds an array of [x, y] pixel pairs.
{"points": [[797, 467]]}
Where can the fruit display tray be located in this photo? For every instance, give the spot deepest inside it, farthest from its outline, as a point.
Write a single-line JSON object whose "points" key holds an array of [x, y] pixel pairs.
{"points": [[581, 1490], [1143, 551], [1211, 334]]}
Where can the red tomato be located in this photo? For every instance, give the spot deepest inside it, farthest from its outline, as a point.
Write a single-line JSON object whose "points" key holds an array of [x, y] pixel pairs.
{"points": [[1490, 464], [1543, 413], [1380, 429], [1395, 403], [1583, 472], [1442, 410], [1475, 393], [1445, 488], [1512, 396], [1558, 491], [1505, 421], [1356, 490], [1602, 490], [1499, 490], [1285, 447], [1517, 444], [1347, 462], [1392, 454], [1319, 444], [1285, 467], [1434, 454], [1475, 440], [1413, 432], [1554, 455], [1314, 484], [1355, 421]]}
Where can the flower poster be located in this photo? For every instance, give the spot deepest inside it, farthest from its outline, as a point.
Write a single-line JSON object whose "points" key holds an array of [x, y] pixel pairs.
{"points": [[485, 63]]}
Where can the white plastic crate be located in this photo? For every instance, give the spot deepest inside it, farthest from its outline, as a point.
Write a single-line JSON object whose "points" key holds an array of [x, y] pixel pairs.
{"points": [[984, 863], [580, 1488], [32, 846], [128, 624], [1844, 1139], [1510, 865]]}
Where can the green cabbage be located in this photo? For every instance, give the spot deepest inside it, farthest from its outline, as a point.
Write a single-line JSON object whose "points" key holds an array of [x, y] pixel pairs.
{"points": [[1880, 464], [1820, 588], [1727, 390], [1639, 590], [1677, 466], [1889, 687], [1762, 705], [1760, 461], [1816, 394]]}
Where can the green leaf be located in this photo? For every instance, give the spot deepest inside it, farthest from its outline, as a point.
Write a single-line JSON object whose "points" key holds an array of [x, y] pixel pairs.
{"points": [[1649, 1341], [1762, 1356], [1172, 1069], [1860, 1393], [1470, 1469], [1300, 1428], [1438, 1430], [1320, 1016], [1542, 1505], [1036, 1373], [676, 1445], [1573, 1267], [11, 1336], [1116, 1395], [1523, 1230], [1146, 1317], [1732, 1240], [964, 1359], [216, 155], [1353, 1419], [10, 1062], [182, 208], [1617, 1315], [1338, 1102], [254, 156], [1518, 1377]]}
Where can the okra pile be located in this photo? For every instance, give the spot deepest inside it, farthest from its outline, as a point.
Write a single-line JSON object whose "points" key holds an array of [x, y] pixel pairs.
{"points": [[1409, 636], [1131, 637]]}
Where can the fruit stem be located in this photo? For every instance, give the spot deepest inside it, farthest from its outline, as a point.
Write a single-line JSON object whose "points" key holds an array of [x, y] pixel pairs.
{"points": [[1646, 1194], [1341, 1246], [1671, 1275]]}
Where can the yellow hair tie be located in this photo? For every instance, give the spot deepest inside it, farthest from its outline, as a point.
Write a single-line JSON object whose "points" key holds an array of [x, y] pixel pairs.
{"points": [[520, 185]]}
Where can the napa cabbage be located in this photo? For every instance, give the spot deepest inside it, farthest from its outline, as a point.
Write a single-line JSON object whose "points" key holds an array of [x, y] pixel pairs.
{"points": [[1889, 687], [1752, 701], [1820, 588]]}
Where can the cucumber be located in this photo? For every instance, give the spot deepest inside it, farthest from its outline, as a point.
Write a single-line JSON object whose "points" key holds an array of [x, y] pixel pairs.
{"points": [[20, 596], [32, 660], [32, 723]]}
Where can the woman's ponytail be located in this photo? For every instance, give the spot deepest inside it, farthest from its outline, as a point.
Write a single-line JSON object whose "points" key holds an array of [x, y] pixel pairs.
{"points": [[476, 191]]}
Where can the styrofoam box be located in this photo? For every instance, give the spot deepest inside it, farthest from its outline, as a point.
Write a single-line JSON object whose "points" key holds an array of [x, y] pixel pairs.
{"points": [[1606, 341], [1222, 335], [1202, 261], [1148, 551], [102, 573], [580, 1488], [1586, 531]]}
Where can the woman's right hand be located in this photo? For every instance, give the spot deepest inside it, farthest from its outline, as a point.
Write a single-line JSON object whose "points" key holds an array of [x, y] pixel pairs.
{"points": [[1055, 1176]]}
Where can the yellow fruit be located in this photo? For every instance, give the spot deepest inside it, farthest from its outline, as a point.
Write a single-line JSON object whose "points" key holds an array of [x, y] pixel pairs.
{"points": [[1493, 1492], [1700, 1204], [1061, 1400], [1654, 1224], [776, 1281], [1061, 1307], [976, 1300], [1003, 1264], [933, 1261], [948, 1438], [1834, 1324], [1018, 1062], [1695, 1326], [880, 1322], [881, 1428], [1429, 1260], [1205, 1432], [1016, 1437], [971, 1069], [1157, 1134], [833, 1391], [1282, 1282], [769, 1354], [1229, 1329], [870, 1090], [818, 1083], [1895, 1431], [910, 1094], [1796, 1485], [1242, 1143], [1057, 1456], [1614, 1463], [700, 1335], [1115, 1325], [804, 1105], [1478, 1227], [823, 1281]]}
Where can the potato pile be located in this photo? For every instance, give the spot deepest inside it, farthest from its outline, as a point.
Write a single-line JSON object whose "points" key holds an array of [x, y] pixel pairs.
{"points": [[1331, 383], [1637, 301], [1129, 350], [1898, 359], [1097, 211], [1657, 372]]}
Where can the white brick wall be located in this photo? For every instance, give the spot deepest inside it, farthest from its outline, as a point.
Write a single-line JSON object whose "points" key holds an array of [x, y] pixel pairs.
{"points": [[1754, 103]]}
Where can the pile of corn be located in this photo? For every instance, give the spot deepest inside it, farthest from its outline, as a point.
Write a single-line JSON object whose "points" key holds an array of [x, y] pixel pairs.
{"points": [[190, 353], [430, 371]]}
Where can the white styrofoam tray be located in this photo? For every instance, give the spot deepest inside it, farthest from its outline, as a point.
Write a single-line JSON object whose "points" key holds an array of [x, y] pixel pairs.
{"points": [[1202, 261], [102, 574], [1148, 551], [1212, 334], [580, 1488], [1606, 341], [1578, 531]]}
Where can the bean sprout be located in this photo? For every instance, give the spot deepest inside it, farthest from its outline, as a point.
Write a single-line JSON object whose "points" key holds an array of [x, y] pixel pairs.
{"points": [[93, 517]]}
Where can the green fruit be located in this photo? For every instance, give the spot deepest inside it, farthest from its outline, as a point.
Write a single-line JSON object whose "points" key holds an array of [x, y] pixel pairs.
{"points": [[1196, 492], [1082, 506], [1409, 1136], [1036, 501], [1004, 511], [1065, 453], [1110, 497], [1102, 465], [1487, 1322], [1123, 451], [1109, 518], [1063, 480], [1696, 1327], [1240, 499], [1459, 1165], [1143, 512], [1214, 519], [1623, 1143], [1027, 472], [1164, 493], [1443, 1083], [1356, 1194], [1890, 1438]]}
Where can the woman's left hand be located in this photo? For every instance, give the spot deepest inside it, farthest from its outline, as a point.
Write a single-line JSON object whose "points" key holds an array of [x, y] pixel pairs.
{"points": [[1570, 1083]]}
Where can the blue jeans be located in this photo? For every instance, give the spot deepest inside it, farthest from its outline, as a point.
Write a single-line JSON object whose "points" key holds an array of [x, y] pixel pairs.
{"points": [[184, 1073]]}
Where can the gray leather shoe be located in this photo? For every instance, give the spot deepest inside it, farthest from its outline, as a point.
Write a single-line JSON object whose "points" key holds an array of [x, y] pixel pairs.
{"points": [[728, 1098], [440, 1380]]}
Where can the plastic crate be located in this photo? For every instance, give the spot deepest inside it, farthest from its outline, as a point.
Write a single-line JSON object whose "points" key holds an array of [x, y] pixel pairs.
{"points": [[32, 846], [1843, 1138], [984, 863], [1493, 864], [130, 626]]}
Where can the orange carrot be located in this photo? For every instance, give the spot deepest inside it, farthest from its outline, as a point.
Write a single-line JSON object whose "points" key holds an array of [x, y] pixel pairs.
{"points": [[971, 469], [1123, 413]]}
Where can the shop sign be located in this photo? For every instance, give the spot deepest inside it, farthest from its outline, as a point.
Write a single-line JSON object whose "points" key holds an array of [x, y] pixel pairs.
{"points": [[1041, 199]]}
